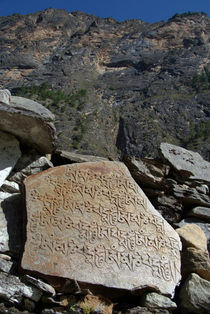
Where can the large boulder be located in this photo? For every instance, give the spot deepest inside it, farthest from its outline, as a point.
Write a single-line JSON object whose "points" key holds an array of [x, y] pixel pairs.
{"points": [[92, 223], [30, 122], [188, 164]]}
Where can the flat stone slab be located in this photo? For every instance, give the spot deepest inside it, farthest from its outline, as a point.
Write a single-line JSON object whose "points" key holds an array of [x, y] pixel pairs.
{"points": [[9, 154], [91, 222], [189, 164], [30, 122]]}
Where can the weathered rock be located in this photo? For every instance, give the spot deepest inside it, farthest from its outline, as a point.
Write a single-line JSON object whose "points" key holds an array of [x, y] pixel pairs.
{"points": [[147, 172], [194, 295], [155, 300], [41, 285], [144, 310], [192, 235], [195, 261], [202, 188], [10, 187], [10, 310], [91, 222], [26, 167], [11, 220], [5, 96], [9, 154], [200, 212], [168, 206], [30, 122], [189, 195], [190, 165], [5, 265], [65, 157], [13, 290]]}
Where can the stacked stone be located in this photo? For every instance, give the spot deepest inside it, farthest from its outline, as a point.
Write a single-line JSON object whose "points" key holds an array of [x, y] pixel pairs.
{"points": [[90, 236]]}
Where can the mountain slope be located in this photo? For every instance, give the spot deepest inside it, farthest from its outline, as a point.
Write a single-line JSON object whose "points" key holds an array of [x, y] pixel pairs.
{"points": [[116, 88]]}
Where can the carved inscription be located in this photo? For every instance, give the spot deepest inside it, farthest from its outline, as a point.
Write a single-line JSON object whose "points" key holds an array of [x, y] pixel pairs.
{"points": [[100, 219]]}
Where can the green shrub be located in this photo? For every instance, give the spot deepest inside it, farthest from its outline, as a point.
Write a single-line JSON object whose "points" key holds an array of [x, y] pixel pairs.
{"points": [[201, 81], [58, 98]]}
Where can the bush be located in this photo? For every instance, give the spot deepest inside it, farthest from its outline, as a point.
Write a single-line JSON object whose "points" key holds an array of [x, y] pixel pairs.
{"points": [[201, 81], [57, 98]]}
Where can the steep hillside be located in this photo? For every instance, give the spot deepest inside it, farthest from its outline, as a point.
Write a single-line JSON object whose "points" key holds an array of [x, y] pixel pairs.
{"points": [[116, 87]]}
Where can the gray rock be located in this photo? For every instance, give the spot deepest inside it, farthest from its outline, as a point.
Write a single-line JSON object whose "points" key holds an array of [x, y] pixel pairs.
{"points": [[194, 294], [5, 96], [169, 207], [10, 310], [190, 165], [190, 196], [144, 310], [11, 220], [203, 188], [9, 154], [155, 300], [72, 157], [147, 172], [5, 265], [195, 261], [13, 290], [10, 187], [30, 167], [30, 122], [200, 212], [41, 285]]}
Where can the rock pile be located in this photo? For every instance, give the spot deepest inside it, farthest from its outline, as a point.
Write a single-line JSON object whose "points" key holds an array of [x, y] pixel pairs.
{"points": [[92, 239]]}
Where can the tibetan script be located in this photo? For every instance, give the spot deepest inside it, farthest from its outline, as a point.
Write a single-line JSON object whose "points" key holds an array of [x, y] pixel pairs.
{"points": [[91, 222]]}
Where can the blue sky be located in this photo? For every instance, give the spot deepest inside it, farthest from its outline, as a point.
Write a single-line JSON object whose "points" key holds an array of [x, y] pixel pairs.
{"points": [[146, 10]]}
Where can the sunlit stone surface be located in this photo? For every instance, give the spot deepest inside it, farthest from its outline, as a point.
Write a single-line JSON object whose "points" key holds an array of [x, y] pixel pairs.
{"points": [[91, 222]]}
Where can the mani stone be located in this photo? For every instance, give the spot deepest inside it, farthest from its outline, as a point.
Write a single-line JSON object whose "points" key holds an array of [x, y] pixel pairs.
{"points": [[92, 223]]}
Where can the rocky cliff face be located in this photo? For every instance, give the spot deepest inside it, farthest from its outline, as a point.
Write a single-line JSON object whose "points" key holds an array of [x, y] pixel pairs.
{"points": [[115, 88]]}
